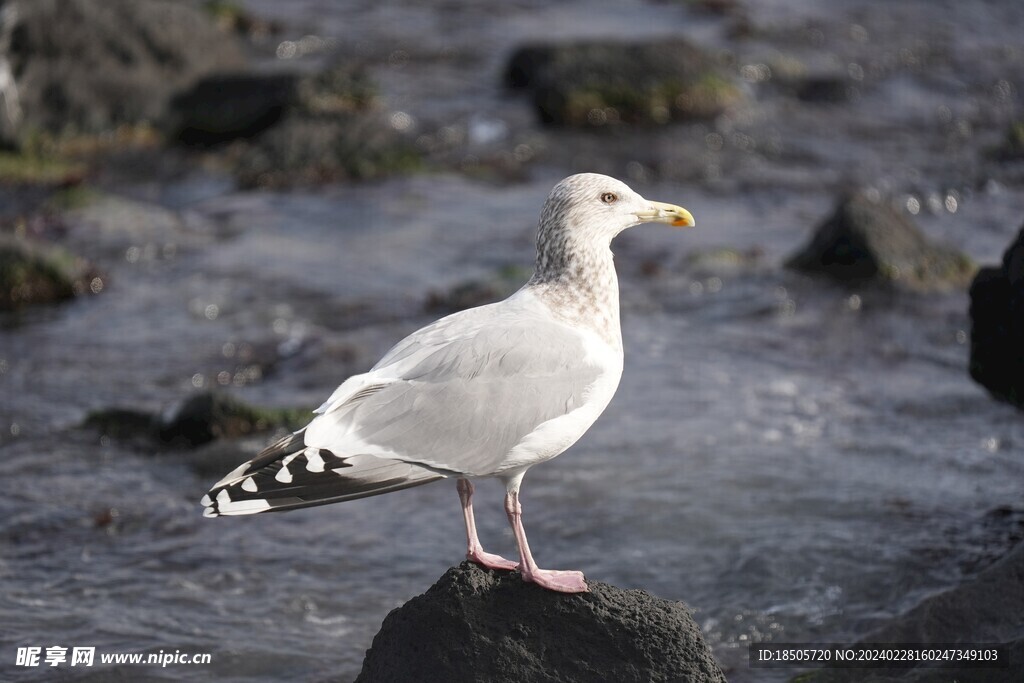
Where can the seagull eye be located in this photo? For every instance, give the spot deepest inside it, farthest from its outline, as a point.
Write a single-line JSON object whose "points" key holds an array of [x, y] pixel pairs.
{"points": [[609, 197]]}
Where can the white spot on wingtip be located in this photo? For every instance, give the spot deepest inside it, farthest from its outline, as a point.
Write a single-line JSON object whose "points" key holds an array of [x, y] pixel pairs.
{"points": [[223, 498], [243, 507], [249, 485], [209, 512], [233, 474], [314, 461], [283, 475], [206, 502]]}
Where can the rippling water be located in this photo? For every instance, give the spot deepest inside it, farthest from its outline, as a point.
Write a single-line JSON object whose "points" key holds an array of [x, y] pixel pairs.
{"points": [[793, 459]]}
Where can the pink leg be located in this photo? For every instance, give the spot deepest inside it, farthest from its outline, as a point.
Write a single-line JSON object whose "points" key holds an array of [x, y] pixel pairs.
{"points": [[475, 552], [552, 579]]}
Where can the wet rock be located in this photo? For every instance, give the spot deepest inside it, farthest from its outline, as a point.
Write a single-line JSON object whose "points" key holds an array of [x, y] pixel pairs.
{"points": [[997, 326], [224, 107], [478, 292], [984, 609], [87, 66], [204, 417], [122, 423], [591, 84], [864, 241], [197, 420], [481, 625], [304, 151], [718, 8], [1002, 527], [35, 273], [526, 67], [328, 126], [824, 89]]}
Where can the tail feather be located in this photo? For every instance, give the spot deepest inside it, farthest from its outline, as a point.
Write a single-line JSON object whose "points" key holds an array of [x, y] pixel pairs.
{"points": [[288, 475]]}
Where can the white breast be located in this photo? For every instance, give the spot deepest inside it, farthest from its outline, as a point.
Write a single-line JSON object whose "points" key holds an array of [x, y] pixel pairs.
{"points": [[556, 435]]}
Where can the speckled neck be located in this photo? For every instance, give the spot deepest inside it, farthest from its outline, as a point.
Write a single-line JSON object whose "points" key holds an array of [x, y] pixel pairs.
{"points": [[575, 276]]}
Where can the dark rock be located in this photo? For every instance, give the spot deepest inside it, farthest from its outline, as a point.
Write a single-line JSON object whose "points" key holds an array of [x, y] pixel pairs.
{"points": [[718, 8], [197, 420], [1002, 527], [526, 66], [599, 83], [219, 432], [478, 292], [225, 107], [122, 423], [87, 66], [791, 77], [864, 241], [35, 273], [318, 150], [997, 326], [207, 416], [984, 609], [480, 625], [824, 89], [327, 126]]}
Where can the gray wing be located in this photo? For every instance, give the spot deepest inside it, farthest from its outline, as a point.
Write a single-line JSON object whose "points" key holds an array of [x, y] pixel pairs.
{"points": [[457, 396]]}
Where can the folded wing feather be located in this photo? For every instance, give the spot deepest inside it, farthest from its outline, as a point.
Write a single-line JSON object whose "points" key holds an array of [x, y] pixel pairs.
{"points": [[436, 405]]}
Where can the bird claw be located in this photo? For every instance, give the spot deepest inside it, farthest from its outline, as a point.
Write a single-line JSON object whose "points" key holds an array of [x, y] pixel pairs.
{"points": [[558, 580], [490, 560]]}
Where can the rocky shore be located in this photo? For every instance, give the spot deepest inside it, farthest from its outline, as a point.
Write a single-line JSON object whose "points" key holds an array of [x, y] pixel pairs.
{"points": [[212, 213]]}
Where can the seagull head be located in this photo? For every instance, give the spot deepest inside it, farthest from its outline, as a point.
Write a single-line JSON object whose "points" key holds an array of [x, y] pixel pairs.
{"points": [[598, 207]]}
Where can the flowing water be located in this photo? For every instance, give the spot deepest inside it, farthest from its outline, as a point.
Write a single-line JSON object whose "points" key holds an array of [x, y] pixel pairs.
{"points": [[793, 459]]}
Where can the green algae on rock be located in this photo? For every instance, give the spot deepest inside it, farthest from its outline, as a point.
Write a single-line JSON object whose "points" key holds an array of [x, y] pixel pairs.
{"points": [[332, 126], [210, 415], [594, 83], [198, 419], [37, 273]]}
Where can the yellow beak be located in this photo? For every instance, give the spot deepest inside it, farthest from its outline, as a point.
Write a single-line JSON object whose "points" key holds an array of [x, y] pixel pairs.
{"points": [[666, 213]]}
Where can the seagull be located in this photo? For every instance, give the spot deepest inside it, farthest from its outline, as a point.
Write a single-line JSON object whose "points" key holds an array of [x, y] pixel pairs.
{"points": [[486, 392]]}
